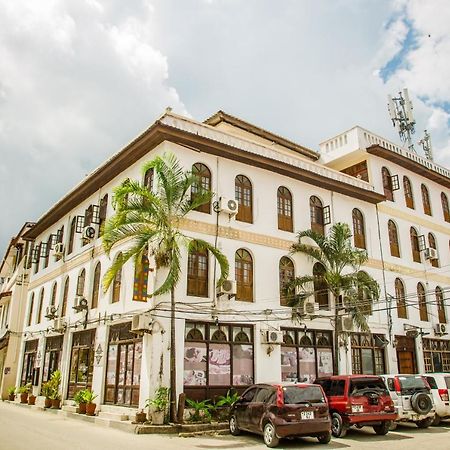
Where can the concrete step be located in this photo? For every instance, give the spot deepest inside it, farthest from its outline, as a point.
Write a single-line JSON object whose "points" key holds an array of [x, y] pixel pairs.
{"points": [[69, 408], [112, 416]]}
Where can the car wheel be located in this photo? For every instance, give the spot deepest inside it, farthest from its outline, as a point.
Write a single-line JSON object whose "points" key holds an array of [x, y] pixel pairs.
{"points": [[324, 438], [337, 426], [425, 423], [436, 421], [421, 403], [383, 428], [270, 437], [234, 429]]}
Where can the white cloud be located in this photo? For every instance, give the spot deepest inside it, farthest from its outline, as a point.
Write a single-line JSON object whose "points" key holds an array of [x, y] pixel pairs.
{"points": [[77, 81]]}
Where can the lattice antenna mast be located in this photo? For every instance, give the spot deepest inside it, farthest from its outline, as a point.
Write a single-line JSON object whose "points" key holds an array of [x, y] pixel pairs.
{"points": [[425, 142], [400, 110]]}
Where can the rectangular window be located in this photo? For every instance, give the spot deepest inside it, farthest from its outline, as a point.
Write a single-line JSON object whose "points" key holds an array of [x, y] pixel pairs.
{"points": [[368, 356]]}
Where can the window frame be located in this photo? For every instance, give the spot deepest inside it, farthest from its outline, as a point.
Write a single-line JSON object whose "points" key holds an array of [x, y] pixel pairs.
{"points": [[426, 202], [197, 280], [316, 215], [359, 230], [243, 261], [243, 194], [394, 244], [285, 204], [203, 183], [408, 193]]}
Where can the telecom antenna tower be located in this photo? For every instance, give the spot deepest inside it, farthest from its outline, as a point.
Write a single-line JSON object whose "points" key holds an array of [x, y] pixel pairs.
{"points": [[400, 110], [425, 142]]}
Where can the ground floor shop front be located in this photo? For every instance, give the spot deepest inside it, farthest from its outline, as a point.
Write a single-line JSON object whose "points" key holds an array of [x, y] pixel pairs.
{"points": [[124, 368]]}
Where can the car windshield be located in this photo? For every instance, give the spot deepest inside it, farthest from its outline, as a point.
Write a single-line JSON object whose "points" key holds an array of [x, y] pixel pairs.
{"points": [[309, 394], [413, 382], [363, 385]]}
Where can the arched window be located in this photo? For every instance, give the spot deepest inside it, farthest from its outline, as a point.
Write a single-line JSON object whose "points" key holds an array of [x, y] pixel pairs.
{"points": [[96, 286], [440, 305], [432, 244], [426, 200], [102, 214], [53, 295], [141, 280], [423, 311], [197, 277], [359, 235], [80, 283], [117, 283], [445, 207], [284, 205], [393, 239], [30, 311], [244, 275], [316, 214], [65, 298], [39, 309], [243, 193], [148, 179], [286, 275], [414, 244], [202, 184], [402, 310], [387, 184], [320, 287], [71, 235], [409, 198], [365, 303]]}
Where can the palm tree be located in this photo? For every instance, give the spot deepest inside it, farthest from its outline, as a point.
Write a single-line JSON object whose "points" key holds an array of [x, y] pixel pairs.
{"points": [[353, 290], [151, 219]]}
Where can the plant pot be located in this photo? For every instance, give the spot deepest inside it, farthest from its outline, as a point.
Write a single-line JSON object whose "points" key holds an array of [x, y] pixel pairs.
{"points": [[90, 409], [81, 408], [141, 417], [11, 397], [48, 402], [158, 417], [24, 397], [56, 403], [31, 399]]}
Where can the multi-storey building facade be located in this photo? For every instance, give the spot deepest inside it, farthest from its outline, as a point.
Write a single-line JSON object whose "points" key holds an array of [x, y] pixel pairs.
{"points": [[221, 340], [13, 299]]}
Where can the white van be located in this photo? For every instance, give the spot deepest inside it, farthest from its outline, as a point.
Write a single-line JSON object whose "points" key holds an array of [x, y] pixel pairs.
{"points": [[440, 386]]}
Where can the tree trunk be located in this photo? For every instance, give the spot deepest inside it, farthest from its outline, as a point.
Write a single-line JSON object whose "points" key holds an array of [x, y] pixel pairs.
{"points": [[173, 370], [336, 336]]}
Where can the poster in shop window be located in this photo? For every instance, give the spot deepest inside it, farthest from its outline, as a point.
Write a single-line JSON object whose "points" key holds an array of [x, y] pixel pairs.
{"points": [[307, 364], [324, 362], [219, 364], [194, 365]]}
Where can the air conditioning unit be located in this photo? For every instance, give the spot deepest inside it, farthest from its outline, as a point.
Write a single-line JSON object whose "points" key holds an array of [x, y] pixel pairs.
{"points": [[440, 328], [88, 233], [430, 253], [310, 307], [79, 304], [346, 324], [141, 323], [228, 287], [229, 206], [50, 312], [272, 337], [59, 324], [58, 250]]}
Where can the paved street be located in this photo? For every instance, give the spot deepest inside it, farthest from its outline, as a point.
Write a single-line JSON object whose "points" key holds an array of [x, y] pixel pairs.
{"points": [[25, 429]]}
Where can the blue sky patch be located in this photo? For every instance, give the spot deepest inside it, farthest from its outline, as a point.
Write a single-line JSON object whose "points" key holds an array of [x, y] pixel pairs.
{"points": [[410, 43]]}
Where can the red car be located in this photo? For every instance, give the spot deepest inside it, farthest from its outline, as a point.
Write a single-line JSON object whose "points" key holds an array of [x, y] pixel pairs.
{"points": [[360, 400], [282, 410]]}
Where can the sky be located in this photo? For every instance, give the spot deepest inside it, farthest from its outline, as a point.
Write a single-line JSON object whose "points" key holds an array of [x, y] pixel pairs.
{"points": [[79, 79]]}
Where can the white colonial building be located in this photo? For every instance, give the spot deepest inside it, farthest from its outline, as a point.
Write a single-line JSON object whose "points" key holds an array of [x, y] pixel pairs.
{"points": [[223, 341]]}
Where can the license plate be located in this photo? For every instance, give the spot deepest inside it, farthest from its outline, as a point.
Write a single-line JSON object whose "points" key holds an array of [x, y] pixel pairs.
{"points": [[357, 408], [306, 415]]}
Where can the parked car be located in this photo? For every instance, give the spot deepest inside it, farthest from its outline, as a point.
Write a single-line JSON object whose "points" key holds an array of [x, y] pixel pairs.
{"points": [[282, 410], [439, 385], [360, 400], [412, 398]]}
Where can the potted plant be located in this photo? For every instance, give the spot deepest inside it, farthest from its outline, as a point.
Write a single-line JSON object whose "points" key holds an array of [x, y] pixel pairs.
{"points": [[45, 391], [158, 405], [23, 391], [11, 393], [223, 405], [89, 396], [202, 410], [141, 416], [54, 395], [80, 400], [31, 399]]}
